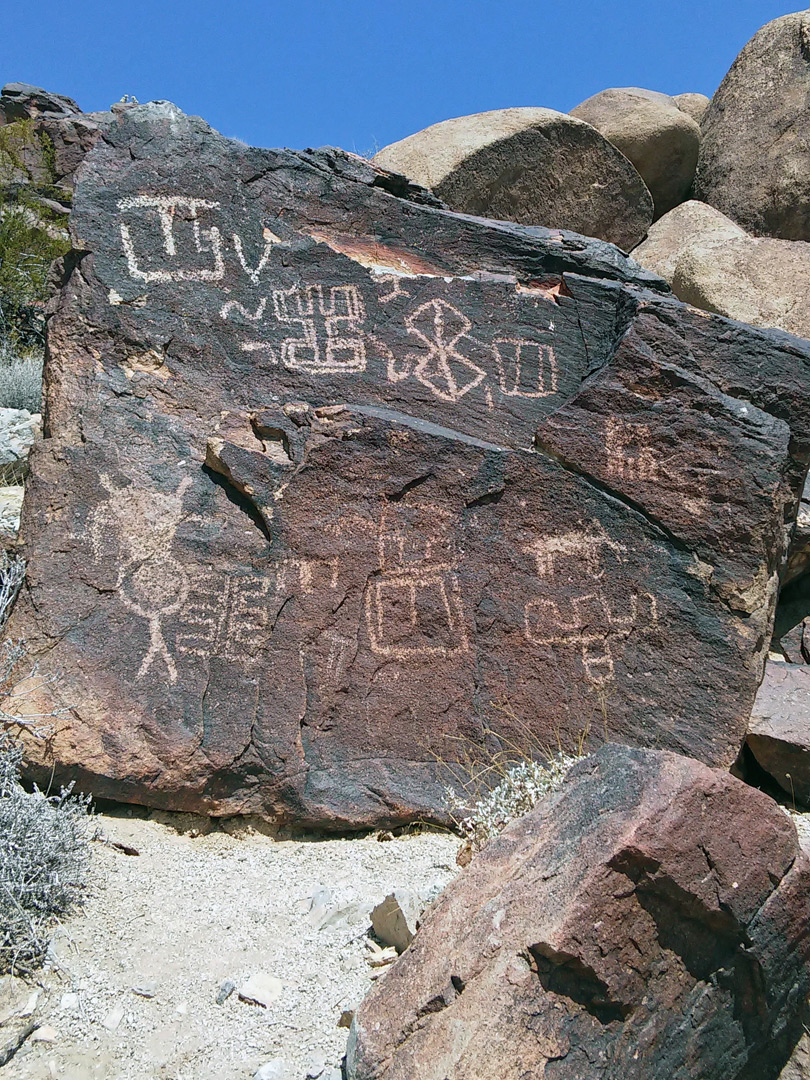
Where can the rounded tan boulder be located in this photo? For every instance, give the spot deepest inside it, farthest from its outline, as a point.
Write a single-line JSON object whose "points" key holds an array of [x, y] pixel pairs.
{"points": [[755, 151], [690, 223], [532, 166], [694, 105], [660, 139], [761, 281]]}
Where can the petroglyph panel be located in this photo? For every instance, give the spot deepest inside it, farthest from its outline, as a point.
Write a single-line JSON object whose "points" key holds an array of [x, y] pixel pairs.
{"points": [[336, 480], [393, 329]]}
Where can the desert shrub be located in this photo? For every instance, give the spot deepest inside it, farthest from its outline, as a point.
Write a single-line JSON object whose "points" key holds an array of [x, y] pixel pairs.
{"points": [[26, 253], [20, 377], [518, 788], [43, 862], [31, 235], [43, 837]]}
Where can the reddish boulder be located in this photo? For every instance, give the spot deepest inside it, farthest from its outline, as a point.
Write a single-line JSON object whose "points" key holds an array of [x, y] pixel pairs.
{"points": [[553, 485], [647, 921], [779, 736]]}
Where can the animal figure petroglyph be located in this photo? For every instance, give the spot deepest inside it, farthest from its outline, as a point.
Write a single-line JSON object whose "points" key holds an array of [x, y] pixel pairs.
{"points": [[576, 568]]}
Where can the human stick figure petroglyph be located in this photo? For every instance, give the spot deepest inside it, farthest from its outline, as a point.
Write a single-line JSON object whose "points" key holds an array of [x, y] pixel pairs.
{"points": [[583, 617], [414, 608], [150, 582]]}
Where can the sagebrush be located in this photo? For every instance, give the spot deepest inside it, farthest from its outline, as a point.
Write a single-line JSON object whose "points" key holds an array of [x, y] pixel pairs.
{"points": [[521, 785], [43, 862], [43, 838], [20, 377]]}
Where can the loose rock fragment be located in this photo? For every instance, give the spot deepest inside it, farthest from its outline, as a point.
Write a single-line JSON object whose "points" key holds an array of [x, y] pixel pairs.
{"points": [[261, 989], [395, 919]]}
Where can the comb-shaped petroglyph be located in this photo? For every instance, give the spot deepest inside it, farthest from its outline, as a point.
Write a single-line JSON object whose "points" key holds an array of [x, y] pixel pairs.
{"points": [[576, 567], [628, 448], [526, 369]]}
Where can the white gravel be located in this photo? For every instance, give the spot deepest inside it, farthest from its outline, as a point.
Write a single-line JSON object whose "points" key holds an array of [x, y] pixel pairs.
{"points": [[189, 913]]}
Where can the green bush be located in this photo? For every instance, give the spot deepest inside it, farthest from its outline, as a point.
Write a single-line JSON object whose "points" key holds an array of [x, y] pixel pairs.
{"points": [[31, 234]]}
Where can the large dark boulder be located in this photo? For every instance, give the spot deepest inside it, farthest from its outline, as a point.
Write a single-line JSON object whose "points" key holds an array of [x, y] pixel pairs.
{"points": [[754, 161], [647, 922], [329, 471]]}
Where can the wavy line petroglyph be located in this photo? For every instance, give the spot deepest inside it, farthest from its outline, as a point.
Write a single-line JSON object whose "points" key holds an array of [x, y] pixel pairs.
{"points": [[587, 619]]}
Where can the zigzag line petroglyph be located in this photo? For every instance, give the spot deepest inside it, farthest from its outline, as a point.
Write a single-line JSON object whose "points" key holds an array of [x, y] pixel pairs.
{"points": [[234, 305], [255, 272]]}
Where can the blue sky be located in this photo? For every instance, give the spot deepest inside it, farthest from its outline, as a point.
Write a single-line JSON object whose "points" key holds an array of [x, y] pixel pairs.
{"points": [[363, 73]]}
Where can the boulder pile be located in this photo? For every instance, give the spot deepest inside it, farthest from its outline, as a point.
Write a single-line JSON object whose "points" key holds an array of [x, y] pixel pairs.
{"points": [[350, 468]]}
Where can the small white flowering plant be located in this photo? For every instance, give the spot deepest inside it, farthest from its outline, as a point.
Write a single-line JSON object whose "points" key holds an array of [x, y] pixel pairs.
{"points": [[502, 780]]}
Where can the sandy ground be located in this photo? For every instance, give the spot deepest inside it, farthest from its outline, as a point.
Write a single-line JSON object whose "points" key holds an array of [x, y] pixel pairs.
{"points": [[131, 990]]}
